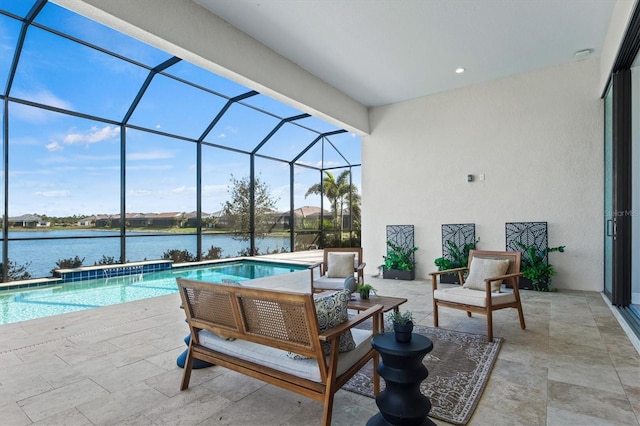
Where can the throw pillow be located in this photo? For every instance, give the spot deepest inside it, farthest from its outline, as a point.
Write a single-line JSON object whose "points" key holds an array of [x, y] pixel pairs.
{"points": [[331, 310], [340, 265], [350, 284], [481, 269]]}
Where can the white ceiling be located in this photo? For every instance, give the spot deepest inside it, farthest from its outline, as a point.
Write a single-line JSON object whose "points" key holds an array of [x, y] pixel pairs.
{"points": [[385, 51]]}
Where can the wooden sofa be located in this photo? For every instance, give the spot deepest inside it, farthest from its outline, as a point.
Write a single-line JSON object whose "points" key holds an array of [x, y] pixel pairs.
{"points": [[255, 331]]}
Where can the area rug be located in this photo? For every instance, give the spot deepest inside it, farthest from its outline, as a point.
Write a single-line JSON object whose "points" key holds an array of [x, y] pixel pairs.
{"points": [[459, 367]]}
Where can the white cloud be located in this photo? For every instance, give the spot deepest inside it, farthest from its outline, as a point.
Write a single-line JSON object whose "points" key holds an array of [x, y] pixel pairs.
{"points": [[51, 194], [184, 190], [138, 168], [213, 190], [152, 155], [53, 146], [136, 192], [37, 115], [94, 135], [329, 164]]}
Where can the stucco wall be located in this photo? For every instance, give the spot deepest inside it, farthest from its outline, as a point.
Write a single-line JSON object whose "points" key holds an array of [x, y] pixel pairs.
{"points": [[536, 137]]}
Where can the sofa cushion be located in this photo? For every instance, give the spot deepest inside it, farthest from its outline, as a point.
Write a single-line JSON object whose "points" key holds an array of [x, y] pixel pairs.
{"points": [[482, 269], [279, 360], [340, 265]]}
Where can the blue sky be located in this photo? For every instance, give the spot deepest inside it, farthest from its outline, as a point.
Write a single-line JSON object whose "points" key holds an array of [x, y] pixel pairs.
{"points": [[62, 165]]}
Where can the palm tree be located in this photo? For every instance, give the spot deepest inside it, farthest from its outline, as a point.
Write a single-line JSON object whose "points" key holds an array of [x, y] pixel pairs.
{"points": [[339, 192]]}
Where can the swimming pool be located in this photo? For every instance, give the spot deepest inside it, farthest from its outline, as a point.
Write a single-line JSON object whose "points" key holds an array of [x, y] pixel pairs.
{"points": [[30, 303]]}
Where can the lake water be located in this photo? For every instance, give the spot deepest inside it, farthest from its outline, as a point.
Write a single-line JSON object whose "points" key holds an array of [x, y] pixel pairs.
{"points": [[43, 254]]}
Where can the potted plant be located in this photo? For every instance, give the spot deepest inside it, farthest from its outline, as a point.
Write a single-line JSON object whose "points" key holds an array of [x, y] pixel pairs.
{"points": [[365, 290], [402, 325], [536, 271], [399, 262], [457, 257]]}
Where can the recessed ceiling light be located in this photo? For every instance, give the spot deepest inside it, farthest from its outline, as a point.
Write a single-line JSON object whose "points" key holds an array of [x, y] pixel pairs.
{"points": [[460, 70], [581, 54]]}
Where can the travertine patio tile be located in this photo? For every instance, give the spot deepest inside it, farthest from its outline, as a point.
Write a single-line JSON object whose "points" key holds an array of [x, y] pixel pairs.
{"points": [[71, 417], [16, 388], [61, 399], [592, 402], [594, 376], [559, 417], [128, 375], [116, 406], [190, 407], [231, 385], [12, 414], [515, 394]]}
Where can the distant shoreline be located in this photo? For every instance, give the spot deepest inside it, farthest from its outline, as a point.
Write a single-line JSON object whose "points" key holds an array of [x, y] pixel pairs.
{"points": [[154, 230]]}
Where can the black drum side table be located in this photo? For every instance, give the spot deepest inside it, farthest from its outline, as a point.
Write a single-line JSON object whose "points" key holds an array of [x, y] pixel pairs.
{"points": [[401, 402]]}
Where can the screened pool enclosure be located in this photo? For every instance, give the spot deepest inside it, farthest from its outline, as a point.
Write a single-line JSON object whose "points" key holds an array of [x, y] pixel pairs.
{"points": [[115, 151]]}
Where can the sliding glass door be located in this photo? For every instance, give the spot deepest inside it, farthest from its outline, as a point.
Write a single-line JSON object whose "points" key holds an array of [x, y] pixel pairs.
{"points": [[608, 193]]}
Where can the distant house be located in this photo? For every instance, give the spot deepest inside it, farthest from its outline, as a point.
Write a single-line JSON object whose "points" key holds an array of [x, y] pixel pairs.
{"points": [[216, 220], [191, 220], [104, 221], [86, 221], [154, 220], [307, 217], [28, 221]]}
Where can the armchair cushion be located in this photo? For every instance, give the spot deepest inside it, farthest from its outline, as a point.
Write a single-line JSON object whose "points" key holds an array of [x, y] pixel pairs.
{"points": [[470, 297], [481, 269], [340, 265]]}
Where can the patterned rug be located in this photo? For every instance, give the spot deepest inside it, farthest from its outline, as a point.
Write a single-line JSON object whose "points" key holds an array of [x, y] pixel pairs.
{"points": [[459, 366]]}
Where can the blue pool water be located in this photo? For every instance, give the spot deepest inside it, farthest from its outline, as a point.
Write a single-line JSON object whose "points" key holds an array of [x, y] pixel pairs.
{"points": [[31, 303]]}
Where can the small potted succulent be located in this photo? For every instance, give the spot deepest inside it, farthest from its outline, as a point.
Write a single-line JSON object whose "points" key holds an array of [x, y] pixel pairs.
{"points": [[365, 290], [402, 325]]}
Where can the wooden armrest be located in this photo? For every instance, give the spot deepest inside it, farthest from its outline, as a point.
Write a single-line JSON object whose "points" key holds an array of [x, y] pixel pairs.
{"points": [[502, 277], [341, 328], [487, 281], [361, 267], [447, 271], [315, 265]]}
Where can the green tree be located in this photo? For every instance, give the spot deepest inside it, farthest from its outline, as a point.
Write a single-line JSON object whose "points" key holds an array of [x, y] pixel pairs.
{"points": [[237, 208], [213, 253], [68, 263], [339, 192], [106, 260], [179, 256], [16, 272]]}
